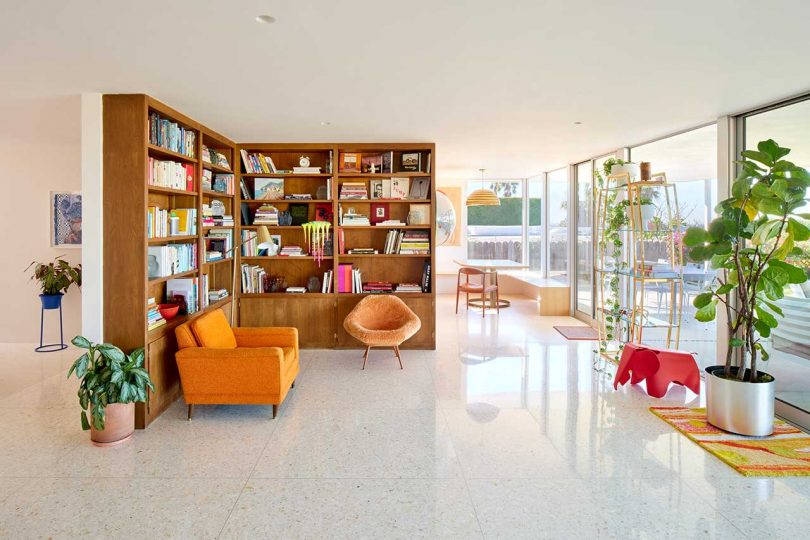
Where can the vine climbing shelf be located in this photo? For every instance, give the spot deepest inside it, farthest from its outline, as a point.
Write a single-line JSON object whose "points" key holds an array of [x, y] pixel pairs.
{"points": [[637, 254]]}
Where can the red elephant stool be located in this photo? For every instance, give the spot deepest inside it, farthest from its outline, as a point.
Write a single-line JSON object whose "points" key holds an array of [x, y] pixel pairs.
{"points": [[658, 367]]}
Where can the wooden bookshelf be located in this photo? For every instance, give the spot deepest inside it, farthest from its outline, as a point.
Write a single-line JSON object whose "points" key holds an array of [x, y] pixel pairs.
{"points": [[309, 311], [127, 195], [318, 316]]}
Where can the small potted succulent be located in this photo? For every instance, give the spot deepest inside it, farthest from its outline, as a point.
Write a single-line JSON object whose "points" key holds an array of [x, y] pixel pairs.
{"points": [[759, 229], [55, 278], [111, 384]]}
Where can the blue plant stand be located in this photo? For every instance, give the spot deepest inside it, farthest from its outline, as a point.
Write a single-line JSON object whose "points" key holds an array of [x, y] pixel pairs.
{"points": [[49, 302]]}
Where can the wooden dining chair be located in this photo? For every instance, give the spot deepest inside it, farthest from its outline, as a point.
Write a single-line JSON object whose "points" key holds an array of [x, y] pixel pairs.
{"points": [[477, 288]]}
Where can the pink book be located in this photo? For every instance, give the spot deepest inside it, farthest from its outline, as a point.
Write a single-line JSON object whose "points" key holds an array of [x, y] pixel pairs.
{"points": [[344, 278]]}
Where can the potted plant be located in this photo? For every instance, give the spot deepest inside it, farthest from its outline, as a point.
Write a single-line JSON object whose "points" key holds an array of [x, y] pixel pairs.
{"points": [[757, 230], [111, 383], [55, 278]]}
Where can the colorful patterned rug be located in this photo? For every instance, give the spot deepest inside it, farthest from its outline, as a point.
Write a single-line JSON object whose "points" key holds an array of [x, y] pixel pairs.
{"points": [[785, 453]]}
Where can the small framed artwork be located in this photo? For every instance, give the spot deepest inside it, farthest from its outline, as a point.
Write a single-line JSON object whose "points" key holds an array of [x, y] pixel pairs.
{"points": [[276, 238], [376, 189], [66, 219], [411, 161]]}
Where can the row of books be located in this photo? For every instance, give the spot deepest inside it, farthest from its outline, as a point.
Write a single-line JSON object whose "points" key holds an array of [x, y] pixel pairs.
{"points": [[259, 163], [153, 317], [218, 244], [171, 136], [215, 157], [161, 223], [170, 174], [220, 182], [400, 188], [171, 259], [188, 290], [407, 242], [350, 280], [382, 162], [272, 189], [254, 279]]}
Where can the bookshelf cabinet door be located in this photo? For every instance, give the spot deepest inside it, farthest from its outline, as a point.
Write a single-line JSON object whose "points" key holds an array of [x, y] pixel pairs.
{"points": [[163, 371], [314, 317], [422, 306]]}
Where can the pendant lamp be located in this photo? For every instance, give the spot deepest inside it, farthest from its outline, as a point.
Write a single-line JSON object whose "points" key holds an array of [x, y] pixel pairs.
{"points": [[483, 196]]}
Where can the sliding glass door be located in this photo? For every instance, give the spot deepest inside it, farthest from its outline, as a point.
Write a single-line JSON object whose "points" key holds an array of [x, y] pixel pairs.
{"points": [[583, 248]]}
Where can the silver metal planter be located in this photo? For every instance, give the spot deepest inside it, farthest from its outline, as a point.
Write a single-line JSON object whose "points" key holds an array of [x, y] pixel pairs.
{"points": [[739, 407]]}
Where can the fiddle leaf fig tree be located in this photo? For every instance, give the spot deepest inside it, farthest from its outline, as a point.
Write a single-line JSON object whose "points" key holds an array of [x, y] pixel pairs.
{"points": [[757, 229]]}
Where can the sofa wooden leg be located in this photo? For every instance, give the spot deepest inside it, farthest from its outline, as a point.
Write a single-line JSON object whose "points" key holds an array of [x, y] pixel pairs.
{"points": [[365, 356], [396, 350], [292, 385], [275, 411], [190, 411]]}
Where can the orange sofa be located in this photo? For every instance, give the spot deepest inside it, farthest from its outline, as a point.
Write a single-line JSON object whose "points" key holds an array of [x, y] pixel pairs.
{"points": [[239, 366]]}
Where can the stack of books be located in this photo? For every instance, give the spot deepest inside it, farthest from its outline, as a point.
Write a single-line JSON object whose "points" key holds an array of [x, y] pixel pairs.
{"points": [[296, 290], [363, 251], [188, 288], [171, 135], [153, 317], [351, 219], [391, 223], [218, 244], [353, 190], [253, 279], [292, 251], [378, 287], [171, 259], [217, 295], [215, 157], [409, 287], [170, 174], [222, 221], [266, 214], [258, 163], [299, 197], [223, 183], [306, 170], [414, 243]]}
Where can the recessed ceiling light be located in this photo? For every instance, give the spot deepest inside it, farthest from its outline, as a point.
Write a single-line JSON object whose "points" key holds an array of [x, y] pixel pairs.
{"points": [[325, 123], [265, 19], [577, 123]]}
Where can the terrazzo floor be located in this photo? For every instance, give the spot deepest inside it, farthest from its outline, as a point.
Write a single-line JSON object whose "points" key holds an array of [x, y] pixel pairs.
{"points": [[505, 431]]}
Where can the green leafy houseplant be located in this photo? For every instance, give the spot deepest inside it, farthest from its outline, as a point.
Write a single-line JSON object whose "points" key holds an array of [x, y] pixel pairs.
{"points": [[107, 376], [57, 276], [756, 231]]}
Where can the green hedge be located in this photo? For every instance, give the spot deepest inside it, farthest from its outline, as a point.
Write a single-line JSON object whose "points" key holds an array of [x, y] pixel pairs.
{"points": [[510, 212]]}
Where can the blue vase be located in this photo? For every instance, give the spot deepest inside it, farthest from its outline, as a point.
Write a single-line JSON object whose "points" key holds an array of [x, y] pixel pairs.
{"points": [[51, 301]]}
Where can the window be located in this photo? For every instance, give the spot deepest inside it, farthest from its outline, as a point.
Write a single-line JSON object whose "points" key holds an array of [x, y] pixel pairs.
{"points": [[534, 232], [789, 344], [496, 232], [584, 246], [690, 162], [557, 242]]}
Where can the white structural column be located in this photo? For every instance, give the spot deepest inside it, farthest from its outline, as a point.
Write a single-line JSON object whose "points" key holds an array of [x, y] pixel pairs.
{"points": [[92, 216]]}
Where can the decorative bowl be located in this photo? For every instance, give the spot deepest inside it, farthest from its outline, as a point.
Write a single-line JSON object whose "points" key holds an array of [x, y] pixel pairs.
{"points": [[168, 311]]}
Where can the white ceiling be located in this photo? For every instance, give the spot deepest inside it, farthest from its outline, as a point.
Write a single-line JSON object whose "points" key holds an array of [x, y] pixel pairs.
{"points": [[494, 84]]}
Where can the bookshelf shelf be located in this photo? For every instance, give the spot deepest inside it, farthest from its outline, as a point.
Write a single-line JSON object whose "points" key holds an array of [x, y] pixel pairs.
{"points": [[286, 201], [173, 276], [288, 295], [218, 261], [386, 201], [171, 191], [284, 258], [216, 168], [162, 239], [161, 152], [395, 293], [404, 174], [273, 227], [290, 175], [381, 227], [385, 256], [212, 193]]}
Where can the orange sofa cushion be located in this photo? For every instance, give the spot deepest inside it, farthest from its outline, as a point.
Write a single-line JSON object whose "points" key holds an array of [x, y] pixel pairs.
{"points": [[212, 330]]}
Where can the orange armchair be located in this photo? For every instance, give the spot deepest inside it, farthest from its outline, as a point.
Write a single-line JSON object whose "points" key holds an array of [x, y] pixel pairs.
{"points": [[239, 366]]}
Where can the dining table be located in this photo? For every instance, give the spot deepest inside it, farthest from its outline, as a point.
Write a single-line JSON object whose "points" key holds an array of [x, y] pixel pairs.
{"points": [[490, 268]]}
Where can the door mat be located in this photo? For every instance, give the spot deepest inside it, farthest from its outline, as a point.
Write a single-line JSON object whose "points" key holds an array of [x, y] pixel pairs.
{"points": [[577, 333], [785, 453]]}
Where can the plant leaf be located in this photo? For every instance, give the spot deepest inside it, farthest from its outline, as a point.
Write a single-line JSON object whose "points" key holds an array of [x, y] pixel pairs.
{"points": [[702, 300], [695, 236], [81, 342], [707, 313]]}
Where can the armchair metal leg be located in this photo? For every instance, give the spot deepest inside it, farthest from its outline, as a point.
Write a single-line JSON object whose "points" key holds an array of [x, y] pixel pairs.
{"points": [[275, 411], [190, 411], [396, 350], [365, 356]]}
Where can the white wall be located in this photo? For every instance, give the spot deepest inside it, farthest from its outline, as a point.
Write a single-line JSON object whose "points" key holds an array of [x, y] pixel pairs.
{"points": [[92, 239], [446, 254], [39, 152]]}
